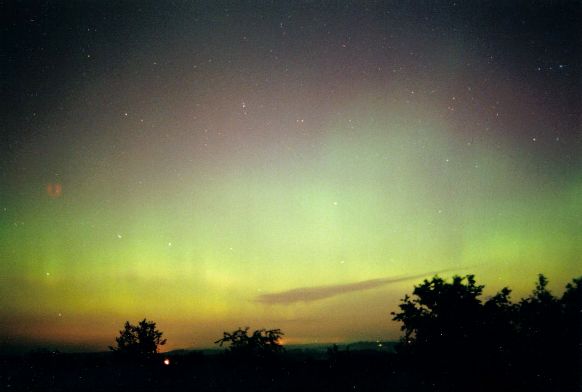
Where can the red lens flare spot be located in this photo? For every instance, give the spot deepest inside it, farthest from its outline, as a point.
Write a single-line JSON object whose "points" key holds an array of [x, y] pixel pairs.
{"points": [[54, 190]]}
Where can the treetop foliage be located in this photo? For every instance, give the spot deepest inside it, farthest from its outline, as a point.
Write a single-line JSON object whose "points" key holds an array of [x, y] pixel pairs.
{"points": [[260, 343], [142, 340]]}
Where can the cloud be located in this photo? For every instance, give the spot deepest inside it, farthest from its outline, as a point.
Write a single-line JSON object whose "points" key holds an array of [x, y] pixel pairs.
{"points": [[315, 293]]}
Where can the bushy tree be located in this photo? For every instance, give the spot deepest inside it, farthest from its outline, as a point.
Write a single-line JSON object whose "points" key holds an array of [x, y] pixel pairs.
{"points": [[139, 341], [535, 343], [261, 343], [572, 309], [572, 315], [440, 314], [539, 313]]}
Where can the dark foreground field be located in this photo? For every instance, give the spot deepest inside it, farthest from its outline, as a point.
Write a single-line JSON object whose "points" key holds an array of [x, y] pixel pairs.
{"points": [[295, 370]]}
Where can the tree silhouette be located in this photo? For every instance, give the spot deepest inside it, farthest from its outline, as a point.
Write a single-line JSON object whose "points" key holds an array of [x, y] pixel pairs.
{"points": [[572, 308], [572, 313], [449, 330], [139, 341], [454, 338], [540, 314], [261, 343], [441, 314]]}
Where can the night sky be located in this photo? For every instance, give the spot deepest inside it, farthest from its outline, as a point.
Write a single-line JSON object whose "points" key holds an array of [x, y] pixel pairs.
{"points": [[294, 165]]}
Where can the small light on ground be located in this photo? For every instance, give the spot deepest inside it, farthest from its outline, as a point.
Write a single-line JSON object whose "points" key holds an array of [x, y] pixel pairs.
{"points": [[166, 361]]}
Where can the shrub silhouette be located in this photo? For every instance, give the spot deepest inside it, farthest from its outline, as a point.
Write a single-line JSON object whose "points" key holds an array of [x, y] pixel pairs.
{"points": [[139, 341], [261, 343]]}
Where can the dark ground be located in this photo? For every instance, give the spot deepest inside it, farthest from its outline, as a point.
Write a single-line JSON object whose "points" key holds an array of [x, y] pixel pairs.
{"points": [[368, 370], [295, 370]]}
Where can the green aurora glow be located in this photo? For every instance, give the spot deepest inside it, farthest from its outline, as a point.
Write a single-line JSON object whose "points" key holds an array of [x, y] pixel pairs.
{"points": [[187, 196]]}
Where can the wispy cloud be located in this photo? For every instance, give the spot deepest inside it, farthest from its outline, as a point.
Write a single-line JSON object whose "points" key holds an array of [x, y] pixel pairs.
{"points": [[314, 293]]}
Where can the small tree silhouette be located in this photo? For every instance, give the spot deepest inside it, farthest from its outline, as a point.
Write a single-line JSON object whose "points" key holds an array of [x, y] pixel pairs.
{"points": [[139, 341], [262, 342]]}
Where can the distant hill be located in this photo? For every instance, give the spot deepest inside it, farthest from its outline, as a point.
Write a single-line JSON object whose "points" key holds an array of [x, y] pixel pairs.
{"points": [[308, 348], [317, 349]]}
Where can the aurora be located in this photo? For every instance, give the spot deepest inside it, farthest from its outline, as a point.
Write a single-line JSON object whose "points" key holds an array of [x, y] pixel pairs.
{"points": [[181, 163]]}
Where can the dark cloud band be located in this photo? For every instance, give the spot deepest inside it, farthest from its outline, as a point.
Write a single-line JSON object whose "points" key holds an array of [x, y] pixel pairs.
{"points": [[314, 293]]}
